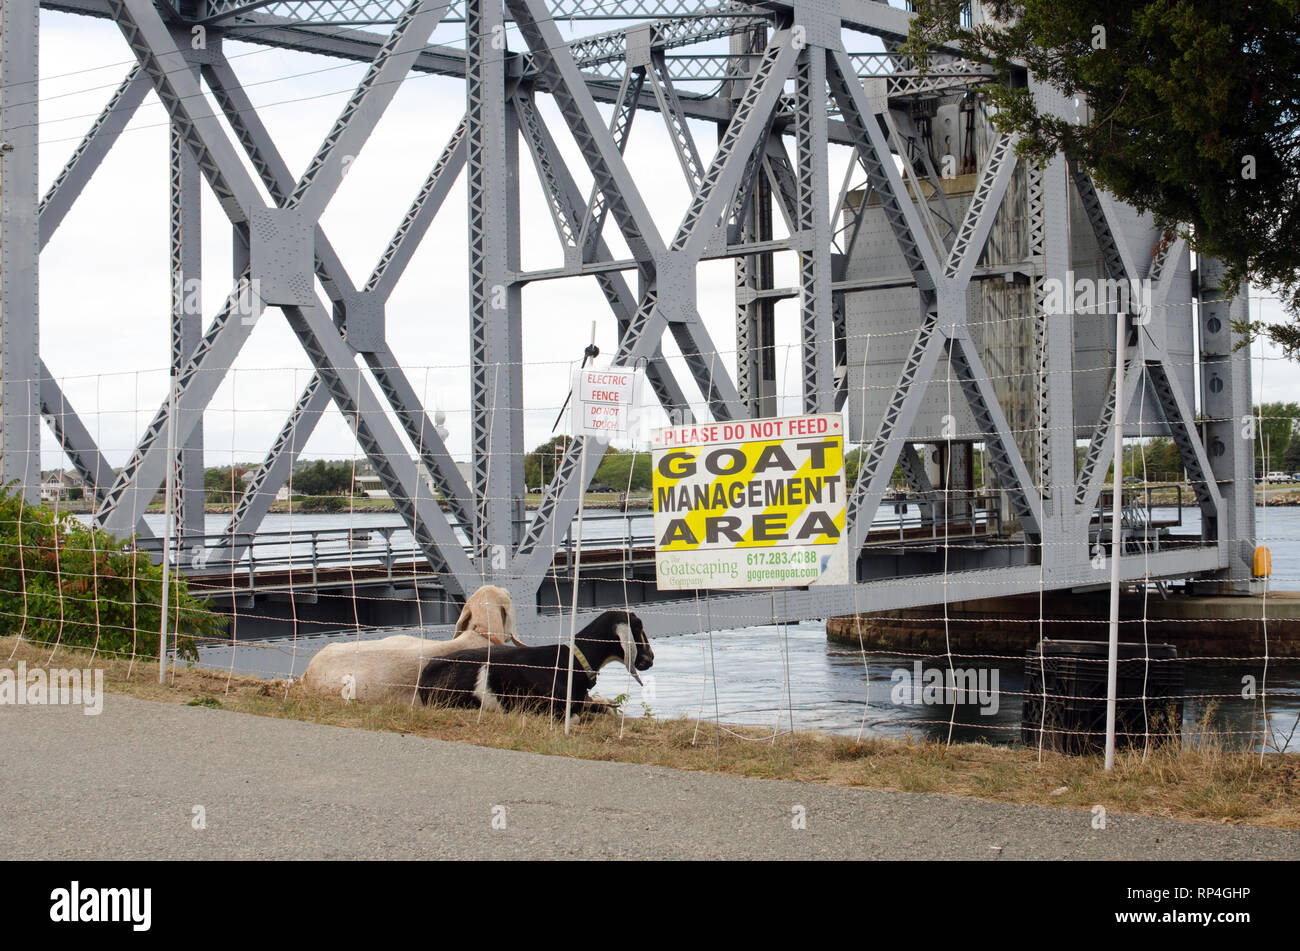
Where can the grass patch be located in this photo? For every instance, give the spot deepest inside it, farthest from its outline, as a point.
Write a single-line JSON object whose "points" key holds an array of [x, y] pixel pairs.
{"points": [[1206, 784]]}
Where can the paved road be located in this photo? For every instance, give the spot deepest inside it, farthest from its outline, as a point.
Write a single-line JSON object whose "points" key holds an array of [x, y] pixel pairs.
{"points": [[124, 785]]}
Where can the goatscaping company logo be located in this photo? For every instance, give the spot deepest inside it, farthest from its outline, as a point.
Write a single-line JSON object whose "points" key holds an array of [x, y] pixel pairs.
{"points": [[936, 687], [54, 687], [77, 904]]}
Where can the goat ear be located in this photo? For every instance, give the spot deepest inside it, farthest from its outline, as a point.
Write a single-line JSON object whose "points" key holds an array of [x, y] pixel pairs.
{"points": [[628, 642], [508, 617], [462, 622]]}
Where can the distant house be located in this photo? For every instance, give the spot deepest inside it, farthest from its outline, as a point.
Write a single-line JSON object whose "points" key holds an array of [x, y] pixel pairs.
{"points": [[59, 485], [371, 486]]}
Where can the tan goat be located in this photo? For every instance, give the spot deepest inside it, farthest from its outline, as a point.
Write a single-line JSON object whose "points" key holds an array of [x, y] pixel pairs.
{"points": [[388, 670]]}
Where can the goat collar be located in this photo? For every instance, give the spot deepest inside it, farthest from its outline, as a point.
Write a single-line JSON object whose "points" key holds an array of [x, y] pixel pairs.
{"points": [[582, 662], [498, 639]]}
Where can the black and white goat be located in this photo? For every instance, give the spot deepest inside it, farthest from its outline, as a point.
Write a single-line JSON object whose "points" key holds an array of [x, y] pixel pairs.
{"points": [[535, 677]]}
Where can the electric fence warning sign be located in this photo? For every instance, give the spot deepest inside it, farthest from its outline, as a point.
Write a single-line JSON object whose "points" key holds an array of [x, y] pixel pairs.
{"points": [[750, 504]]}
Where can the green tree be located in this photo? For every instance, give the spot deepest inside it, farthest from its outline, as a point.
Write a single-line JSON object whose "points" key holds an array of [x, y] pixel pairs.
{"points": [[322, 478], [852, 462], [70, 584], [1291, 458], [1276, 431], [1195, 114], [1163, 461], [541, 463], [221, 485], [618, 464], [217, 479]]}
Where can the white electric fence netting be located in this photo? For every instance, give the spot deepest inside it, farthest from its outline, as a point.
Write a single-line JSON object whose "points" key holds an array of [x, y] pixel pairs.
{"points": [[332, 562]]}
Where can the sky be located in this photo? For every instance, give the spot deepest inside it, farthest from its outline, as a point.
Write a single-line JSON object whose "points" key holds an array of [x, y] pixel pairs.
{"points": [[104, 275]]}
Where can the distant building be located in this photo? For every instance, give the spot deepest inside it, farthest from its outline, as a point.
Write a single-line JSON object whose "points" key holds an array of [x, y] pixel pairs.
{"points": [[59, 485], [371, 486]]}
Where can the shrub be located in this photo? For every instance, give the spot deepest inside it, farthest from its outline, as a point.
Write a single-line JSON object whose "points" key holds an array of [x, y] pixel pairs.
{"points": [[64, 582], [324, 503]]}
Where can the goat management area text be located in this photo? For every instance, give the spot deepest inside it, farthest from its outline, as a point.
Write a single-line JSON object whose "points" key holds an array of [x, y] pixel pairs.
{"points": [[758, 503]]}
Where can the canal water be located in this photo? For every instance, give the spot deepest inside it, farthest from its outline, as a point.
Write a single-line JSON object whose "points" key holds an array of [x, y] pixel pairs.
{"points": [[775, 676]]}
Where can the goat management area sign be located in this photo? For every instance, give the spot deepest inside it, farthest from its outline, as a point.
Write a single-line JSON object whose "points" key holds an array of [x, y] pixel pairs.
{"points": [[750, 504]]}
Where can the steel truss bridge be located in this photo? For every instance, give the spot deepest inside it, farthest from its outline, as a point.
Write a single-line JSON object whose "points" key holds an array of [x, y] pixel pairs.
{"points": [[785, 81]]}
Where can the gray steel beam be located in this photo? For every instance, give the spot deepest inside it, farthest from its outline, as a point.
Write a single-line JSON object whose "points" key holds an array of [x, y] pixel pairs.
{"points": [[441, 178], [670, 107], [632, 215], [20, 241], [274, 471], [1101, 446], [816, 317], [862, 121], [1004, 454], [78, 445], [877, 463], [913, 467], [1182, 427], [422, 433], [401, 475], [79, 169], [68, 429], [783, 181], [755, 313], [1048, 217], [620, 129], [1228, 422], [570, 211], [139, 480], [601, 153], [496, 370], [903, 136], [155, 50], [1119, 263], [373, 94], [370, 11], [974, 230], [700, 225], [743, 137], [278, 180], [186, 266], [751, 218]]}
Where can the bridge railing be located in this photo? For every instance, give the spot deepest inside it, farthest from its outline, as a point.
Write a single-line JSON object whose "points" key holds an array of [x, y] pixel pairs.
{"points": [[323, 556], [940, 514]]}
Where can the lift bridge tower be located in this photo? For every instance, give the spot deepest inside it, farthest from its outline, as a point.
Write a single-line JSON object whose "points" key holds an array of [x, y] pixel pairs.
{"points": [[926, 298]]}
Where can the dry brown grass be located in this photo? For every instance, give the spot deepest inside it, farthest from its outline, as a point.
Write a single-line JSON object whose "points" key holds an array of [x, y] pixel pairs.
{"points": [[1207, 784]]}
